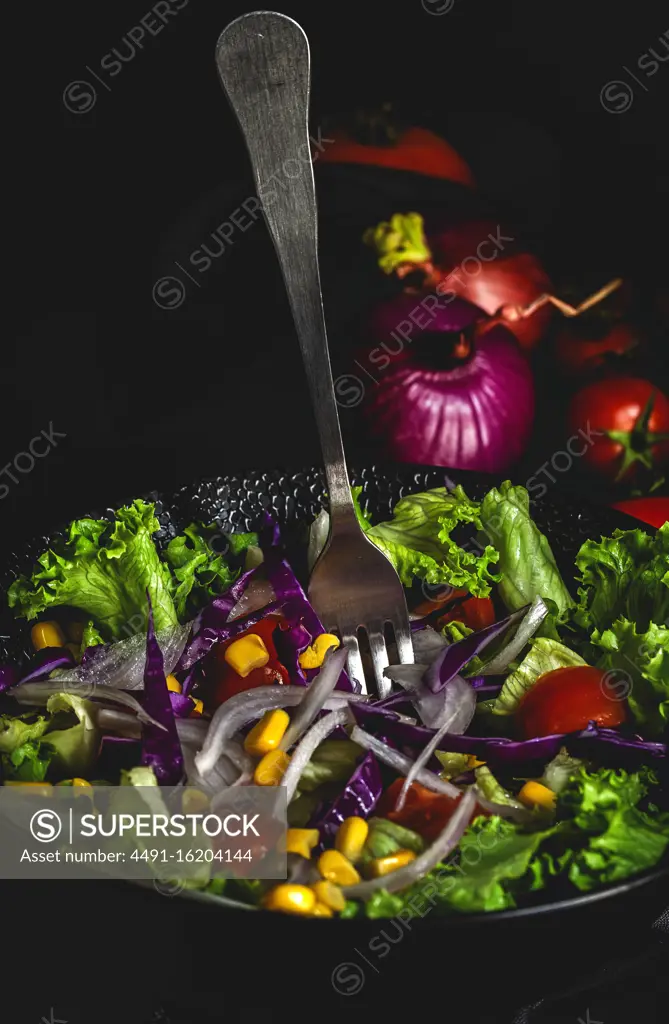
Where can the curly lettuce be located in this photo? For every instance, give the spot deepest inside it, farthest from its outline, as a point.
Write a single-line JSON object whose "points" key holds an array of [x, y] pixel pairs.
{"points": [[604, 831], [639, 665], [104, 569], [544, 655], [200, 572], [418, 540], [624, 576]]}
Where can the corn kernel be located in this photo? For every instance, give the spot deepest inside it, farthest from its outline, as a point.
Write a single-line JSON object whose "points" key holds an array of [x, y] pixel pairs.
{"points": [[271, 769], [474, 762], [351, 837], [302, 841], [194, 801], [267, 733], [173, 684], [384, 865], [321, 910], [535, 793], [246, 654], [198, 706], [329, 894], [334, 867], [46, 634], [314, 656], [291, 899]]}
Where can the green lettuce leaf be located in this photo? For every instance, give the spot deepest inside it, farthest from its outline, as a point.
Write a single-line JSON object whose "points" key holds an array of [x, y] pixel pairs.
{"points": [[624, 576], [200, 572], [622, 838], [74, 749], [544, 656], [14, 732], [27, 763], [332, 761], [492, 789], [560, 770], [104, 569], [90, 637], [386, 837], [639, 663], [418, 540], [602, 833], [526, 561]]}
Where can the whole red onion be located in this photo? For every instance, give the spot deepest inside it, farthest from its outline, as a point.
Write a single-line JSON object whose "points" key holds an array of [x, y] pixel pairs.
{"points": [[451, 390]]}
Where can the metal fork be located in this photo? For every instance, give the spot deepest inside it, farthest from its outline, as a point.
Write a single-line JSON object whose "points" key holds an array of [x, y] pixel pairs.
{"points": [[264, 66]]}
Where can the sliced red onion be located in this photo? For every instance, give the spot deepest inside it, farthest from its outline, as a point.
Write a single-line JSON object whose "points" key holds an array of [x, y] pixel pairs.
{"points": [[535, 615], [434, 708], [121, 665], [460, 706], [38, 694], [427, 644], [315, 696], [257, 595], [244, 707], [447, 840], [120, 722], [401, 763], [307, 745]]}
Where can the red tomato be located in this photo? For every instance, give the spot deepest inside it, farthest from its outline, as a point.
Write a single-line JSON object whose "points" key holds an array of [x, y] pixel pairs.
{"points": [[223, 679], [617, 405], [566, 699], [654, 511], [578, 355], [375, 140], [475, 612], [424, 812]]}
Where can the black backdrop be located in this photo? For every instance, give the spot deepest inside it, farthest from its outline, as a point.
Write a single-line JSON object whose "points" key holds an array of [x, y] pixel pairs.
{"points": [[101, 201], [104, 196]]}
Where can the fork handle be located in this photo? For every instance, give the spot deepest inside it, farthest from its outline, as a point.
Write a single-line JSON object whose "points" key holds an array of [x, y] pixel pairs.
{"points": [[264, 66]]}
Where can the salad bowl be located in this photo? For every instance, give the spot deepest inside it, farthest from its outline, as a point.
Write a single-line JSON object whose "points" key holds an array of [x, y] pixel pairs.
{"points": [[172, 942]]}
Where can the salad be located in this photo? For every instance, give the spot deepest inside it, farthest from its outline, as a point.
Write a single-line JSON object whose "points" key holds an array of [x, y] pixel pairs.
{"points": [[524, 752]]}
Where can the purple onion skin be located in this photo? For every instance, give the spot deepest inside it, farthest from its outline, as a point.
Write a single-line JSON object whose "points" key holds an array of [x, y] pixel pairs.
{"points": [[477, 415]]}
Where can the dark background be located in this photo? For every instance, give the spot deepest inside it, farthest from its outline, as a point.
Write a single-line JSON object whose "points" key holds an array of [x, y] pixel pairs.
{"points": [[100, 203]]}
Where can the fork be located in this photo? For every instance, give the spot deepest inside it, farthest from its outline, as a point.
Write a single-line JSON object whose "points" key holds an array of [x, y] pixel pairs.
{"points": [[264, 65]]}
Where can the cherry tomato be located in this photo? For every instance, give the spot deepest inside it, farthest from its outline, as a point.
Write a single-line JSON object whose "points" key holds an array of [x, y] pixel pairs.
{"points": [[424, 812], [610, 417], [475, 612], [579, 355], [654, 511], [373, 138], [566, 699], [225, 682]]}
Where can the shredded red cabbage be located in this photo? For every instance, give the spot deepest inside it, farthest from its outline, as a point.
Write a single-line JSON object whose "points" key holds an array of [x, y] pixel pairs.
{"points": [[453, 658], [358, 798], [161, 749], [607, 744], [44, 662]]}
